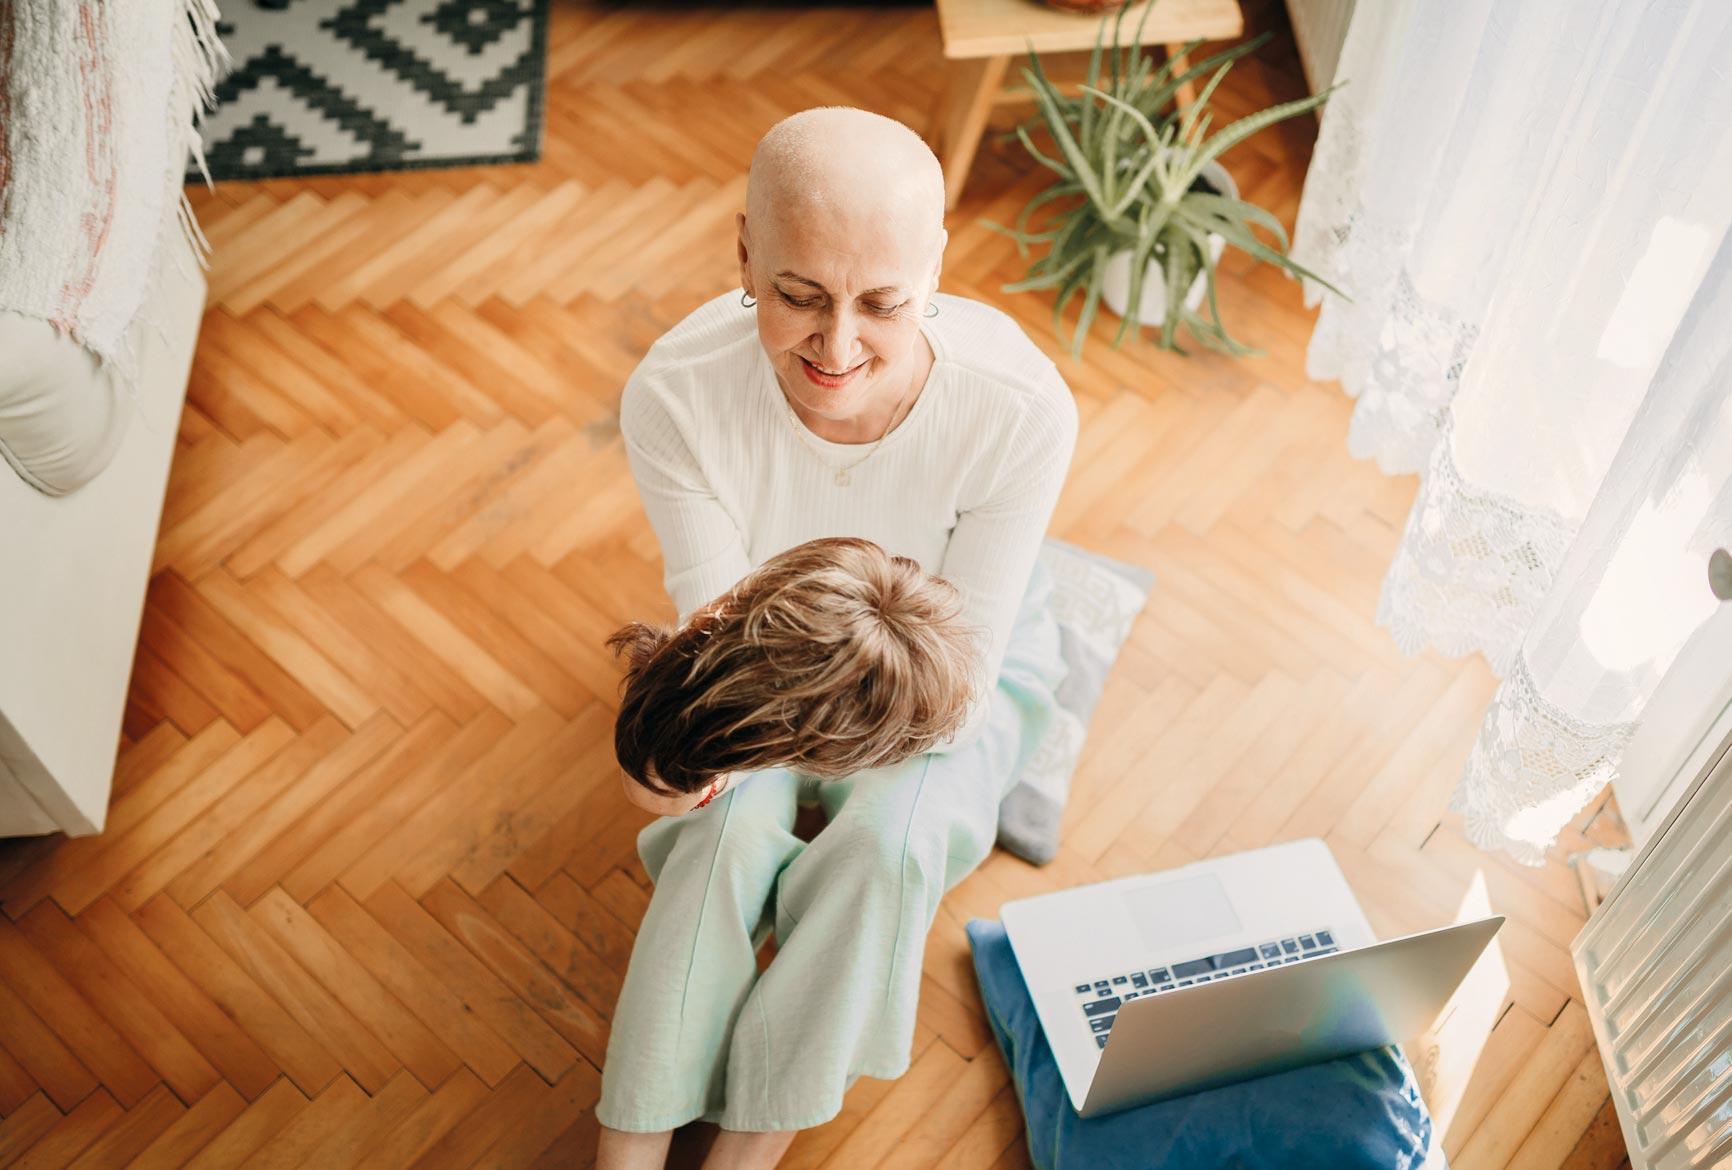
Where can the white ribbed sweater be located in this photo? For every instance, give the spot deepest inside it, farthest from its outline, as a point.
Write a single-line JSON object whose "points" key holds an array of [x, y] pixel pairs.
{"points": [[965, 485]]}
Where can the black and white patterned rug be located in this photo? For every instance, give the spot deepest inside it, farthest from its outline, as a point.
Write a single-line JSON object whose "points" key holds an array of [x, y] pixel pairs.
{"points": [[324, 86]]}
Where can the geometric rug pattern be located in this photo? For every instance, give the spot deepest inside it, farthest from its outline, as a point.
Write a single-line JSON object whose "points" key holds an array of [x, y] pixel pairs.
{"points": [[329, 86]]}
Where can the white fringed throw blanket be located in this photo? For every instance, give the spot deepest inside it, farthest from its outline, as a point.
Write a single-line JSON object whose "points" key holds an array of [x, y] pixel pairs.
{"points": [[98, 109]]}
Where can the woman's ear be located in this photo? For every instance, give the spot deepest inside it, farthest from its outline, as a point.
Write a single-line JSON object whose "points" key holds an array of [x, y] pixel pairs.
{"points": [[744, 251]]}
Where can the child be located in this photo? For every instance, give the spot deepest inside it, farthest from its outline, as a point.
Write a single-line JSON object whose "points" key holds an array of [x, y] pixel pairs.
{"points": [[830, 658]]}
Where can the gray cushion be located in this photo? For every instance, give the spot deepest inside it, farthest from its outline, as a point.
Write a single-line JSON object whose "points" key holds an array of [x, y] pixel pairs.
{"points": [[1095, 599]]}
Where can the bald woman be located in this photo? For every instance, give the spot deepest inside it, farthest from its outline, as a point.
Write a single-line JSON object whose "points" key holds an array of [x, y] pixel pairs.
{"points": [[835, 393]]}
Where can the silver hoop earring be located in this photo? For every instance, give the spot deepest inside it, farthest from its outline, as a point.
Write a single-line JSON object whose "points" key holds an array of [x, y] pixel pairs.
{"points": [[747, 300], [931, 309]]}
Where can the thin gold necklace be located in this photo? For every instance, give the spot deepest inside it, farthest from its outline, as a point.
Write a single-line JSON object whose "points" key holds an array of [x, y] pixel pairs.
{"points": [[843, 479]]}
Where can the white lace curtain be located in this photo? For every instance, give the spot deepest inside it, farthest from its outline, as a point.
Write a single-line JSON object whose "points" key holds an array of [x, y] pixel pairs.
{"points": [[1528, 205]]}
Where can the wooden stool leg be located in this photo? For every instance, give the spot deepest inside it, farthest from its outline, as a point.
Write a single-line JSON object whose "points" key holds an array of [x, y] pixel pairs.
{"points": [[1188, 91], [962, 119]]}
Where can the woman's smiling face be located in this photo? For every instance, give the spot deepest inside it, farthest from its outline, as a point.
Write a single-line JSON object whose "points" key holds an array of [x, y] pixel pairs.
{"points": [[840, 299]]}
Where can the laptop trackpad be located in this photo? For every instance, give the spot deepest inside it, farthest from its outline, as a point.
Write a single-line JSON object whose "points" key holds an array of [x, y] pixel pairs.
{"points": [[1171, 914]]}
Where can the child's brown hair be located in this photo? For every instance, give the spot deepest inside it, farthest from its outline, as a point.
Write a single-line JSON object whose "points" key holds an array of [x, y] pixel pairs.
{"points": [[831, 657]]}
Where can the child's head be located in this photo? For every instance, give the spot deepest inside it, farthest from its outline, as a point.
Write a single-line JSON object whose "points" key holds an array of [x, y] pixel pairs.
{"points": [[831, 657]]}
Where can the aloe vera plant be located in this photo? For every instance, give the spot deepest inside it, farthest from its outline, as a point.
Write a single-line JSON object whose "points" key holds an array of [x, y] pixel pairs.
{"points": [[1128, 163]]}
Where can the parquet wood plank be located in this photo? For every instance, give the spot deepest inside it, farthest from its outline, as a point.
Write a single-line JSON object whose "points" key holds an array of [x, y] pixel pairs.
{"points": [[409, 380], [881, 1130], [24, 1124], [338, 223], [342, 539], [955, 1110], [72, 1134], [587, 915], [558, 1108], [223, 527], [80, 888], [560, 464], [275, 598], [220, 1037], [429, 1121], [124, 1039], [502, 454], [236, 990], [295, 655], [443, 640], [329, 410], [387, 277], [312, 788], [523, 944], [319, 366], [814, 1147], [527, 215], [195, 1127], [132, 1132], [440, 1007], [624, 898], [298, 1143], [405, 1037], [234, 813], [1100, 825], [350, 1141], [475, 617], [422, 841], [17, 1087], [505, 1013], [1556, 1134], [548, 533], [336, 835], [41, 1054], [996, 1131], [257, 1125], [191, 612], [1602, 1146], [1522, 1105], [509, 1106], [393, 647], [29, 883], [549, 616], [240, 402]]}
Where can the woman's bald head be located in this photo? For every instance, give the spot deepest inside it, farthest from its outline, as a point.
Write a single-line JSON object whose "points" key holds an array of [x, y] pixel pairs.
{"points": [[847, 166]]}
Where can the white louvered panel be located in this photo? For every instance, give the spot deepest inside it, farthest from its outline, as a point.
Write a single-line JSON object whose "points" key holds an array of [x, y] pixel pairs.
{"points": [[1655, 964]]}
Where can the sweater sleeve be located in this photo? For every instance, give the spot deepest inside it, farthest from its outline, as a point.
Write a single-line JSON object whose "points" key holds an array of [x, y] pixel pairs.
{"points": [[703, 550], [993, 547]]}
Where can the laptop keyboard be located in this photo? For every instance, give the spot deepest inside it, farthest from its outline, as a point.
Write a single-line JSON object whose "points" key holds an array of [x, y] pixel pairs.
{"points": [[1100, 999]]}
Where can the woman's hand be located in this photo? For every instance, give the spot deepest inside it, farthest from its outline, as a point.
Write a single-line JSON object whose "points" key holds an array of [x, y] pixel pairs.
{"points": [[673, 806]]}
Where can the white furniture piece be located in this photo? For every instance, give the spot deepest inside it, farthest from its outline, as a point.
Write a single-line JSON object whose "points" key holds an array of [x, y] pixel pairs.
{"points": [[1319, 30], [981, 36], [73, 567]]}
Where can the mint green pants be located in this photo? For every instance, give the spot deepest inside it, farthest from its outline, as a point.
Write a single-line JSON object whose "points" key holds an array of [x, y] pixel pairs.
{"points": [[698, 1032]]}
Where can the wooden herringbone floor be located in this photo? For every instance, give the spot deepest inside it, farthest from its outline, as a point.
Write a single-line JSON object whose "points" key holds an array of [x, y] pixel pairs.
{"points": [[367, 889]]}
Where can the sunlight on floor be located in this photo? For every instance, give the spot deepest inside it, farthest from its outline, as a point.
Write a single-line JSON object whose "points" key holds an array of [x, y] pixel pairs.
{"points": [[1448, 1054]]}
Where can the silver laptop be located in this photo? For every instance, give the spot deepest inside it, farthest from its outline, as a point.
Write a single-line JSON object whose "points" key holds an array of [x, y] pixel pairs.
{"points": [[1153, 986]]}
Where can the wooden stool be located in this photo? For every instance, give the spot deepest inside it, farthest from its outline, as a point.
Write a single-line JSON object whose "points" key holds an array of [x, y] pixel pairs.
{"points": [[981, 36]]}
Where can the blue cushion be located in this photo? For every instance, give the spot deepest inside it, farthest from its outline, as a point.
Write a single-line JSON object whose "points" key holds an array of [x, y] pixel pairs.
{"points": [[1359, 1111]]}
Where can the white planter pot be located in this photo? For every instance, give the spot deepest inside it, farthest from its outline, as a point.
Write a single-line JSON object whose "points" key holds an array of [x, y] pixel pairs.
{"points": [[1116, 277]]}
